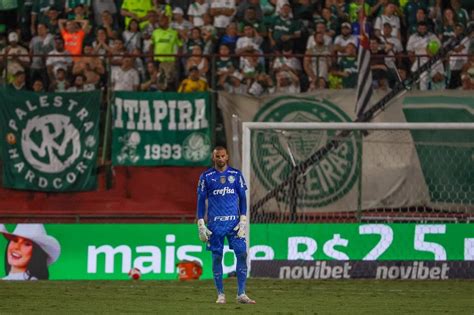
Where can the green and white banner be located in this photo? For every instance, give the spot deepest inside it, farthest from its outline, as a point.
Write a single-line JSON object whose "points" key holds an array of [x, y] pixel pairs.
{"points": [[172, 129], [109, 251], [50, 140], [378, 171]]}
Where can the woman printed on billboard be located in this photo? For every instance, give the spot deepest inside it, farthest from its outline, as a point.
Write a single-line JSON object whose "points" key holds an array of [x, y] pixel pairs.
{"points": [[29, 252]]}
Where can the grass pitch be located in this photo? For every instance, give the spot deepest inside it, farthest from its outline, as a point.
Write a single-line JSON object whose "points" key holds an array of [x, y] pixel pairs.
{"points": [[272, 296]]}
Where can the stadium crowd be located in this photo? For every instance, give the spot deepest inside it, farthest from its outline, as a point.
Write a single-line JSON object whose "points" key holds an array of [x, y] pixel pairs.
{"points": [[245, 46]]}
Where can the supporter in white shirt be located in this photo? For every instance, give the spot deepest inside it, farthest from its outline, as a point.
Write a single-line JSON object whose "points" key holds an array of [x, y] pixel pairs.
{"points": [[458, 57], [392, 43], [247, 42], [180, 24], [80, 84], [196, 11], [416, 45], [58, 58], [346, 37], [388, 17], [223, 11], [125, 78]]}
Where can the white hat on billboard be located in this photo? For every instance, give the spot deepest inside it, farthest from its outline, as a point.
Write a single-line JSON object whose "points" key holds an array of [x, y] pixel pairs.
{"points": [[37, 234]]}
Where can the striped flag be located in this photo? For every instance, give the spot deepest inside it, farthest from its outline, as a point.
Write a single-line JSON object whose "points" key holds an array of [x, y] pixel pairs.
{"points": [[364, 77]]}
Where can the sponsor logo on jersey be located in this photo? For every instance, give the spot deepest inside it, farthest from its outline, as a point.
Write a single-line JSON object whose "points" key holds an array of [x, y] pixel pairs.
{"points": [[223, 218], [224, 191], [324, 182]]}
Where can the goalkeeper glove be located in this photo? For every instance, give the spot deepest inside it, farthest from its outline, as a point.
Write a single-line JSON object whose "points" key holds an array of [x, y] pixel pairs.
{"points": [[241, 227], [204, 232]]}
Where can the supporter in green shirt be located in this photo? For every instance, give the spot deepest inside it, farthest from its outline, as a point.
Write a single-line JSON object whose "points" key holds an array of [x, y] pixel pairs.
{"points": [[40, 10], [284, 28], [136, 9], [348, 67]]}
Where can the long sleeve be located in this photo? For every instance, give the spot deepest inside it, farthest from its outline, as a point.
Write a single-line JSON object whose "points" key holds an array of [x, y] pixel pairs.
{"points": [[201, 198], [242, 187]]}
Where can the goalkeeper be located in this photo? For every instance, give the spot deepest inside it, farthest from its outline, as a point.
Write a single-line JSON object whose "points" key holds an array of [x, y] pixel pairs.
{"points": [[224, 188]]}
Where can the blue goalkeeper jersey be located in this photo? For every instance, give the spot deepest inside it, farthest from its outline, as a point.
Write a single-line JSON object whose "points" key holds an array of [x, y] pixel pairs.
{"points": [[225, 194]]}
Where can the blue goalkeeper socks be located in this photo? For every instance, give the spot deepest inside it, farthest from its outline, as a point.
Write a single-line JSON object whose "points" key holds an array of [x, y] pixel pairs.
{"points": [[217, 270], [241, 272]]}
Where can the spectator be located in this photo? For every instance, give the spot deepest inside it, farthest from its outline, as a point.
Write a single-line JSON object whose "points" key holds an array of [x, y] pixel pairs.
{"points": [[287, 62], [208, 39], [138, 64], [420, 17], [100, 6], [303, 11], [346, 38], [230, 36], [434, 78], [412, 14], [166, 41], [262, 85], [52, 20], [232, 82], [388, 17], [40, 45], [330, 21], [147, 31], [347, 67], [180, 24], [209, 26], [73, 35], [320, 28], [354, 8], [38, 86], [89, 66], [194, 40], [117, 52], [80, 85], [391, 43], [377, 64], [225, 66], [71, 5], [155, 80], [244, 5], [445, 30], [58, 58], [250, 66], [138, 10], [132, 36], [59, 82], [222, 11], [40, 10], [378, 8], [248, 41], [193, 83], [287, 83], [317, 61], [199, 61], [19, 80], [102, 44], [250, 18], [457, 62], [125, 78], [78, 13], [17, 58], [283, 28], [416, 45], [461, 14], [196, 11], [109, 24]]}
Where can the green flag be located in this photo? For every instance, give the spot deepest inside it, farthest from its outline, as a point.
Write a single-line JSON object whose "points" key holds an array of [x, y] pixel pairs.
{"points": [[50, 140], [161, 129]]}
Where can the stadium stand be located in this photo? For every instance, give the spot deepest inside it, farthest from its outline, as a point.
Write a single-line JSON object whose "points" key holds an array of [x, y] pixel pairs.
{"points": [[246, 47]]}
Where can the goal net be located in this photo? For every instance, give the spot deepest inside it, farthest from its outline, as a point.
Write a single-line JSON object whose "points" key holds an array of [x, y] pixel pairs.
{"points": [[359, 172]]}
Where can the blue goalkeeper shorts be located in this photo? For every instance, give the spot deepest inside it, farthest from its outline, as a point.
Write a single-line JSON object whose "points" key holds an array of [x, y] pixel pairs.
{"points": [[216, 242]]}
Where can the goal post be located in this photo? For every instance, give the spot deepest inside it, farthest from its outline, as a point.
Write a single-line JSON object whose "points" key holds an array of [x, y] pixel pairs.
{"points": [[348, 172]]}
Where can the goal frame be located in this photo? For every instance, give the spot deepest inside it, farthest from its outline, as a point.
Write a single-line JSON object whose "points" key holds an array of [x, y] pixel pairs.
{"points": [[247, 128]]}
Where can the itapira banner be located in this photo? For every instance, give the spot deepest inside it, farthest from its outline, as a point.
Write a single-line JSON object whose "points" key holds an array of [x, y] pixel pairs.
{"points": [[155, 129], [109, 251], [376, 171], [50, 140]]}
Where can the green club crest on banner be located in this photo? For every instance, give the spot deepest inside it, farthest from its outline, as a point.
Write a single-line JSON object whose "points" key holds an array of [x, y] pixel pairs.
{"points": [[325, 182], [50, 141]]}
